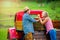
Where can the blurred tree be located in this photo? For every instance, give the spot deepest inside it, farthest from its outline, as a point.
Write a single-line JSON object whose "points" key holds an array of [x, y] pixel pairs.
{"points": [[47, 1]]}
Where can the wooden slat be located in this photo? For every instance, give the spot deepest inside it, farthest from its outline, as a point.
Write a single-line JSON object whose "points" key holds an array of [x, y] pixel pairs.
{"points": [[41, 35], [56, 23], [18, 25]]}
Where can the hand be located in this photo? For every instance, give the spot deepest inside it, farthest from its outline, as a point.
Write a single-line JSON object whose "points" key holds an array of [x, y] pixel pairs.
{"points": [[38, 15]]}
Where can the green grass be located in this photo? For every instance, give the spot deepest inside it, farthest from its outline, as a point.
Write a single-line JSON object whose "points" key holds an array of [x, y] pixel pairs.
{"points": [[3, 33]]}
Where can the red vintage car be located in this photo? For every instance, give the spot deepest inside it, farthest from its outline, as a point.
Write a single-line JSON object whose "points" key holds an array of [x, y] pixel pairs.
{"points": [[16, 33]]}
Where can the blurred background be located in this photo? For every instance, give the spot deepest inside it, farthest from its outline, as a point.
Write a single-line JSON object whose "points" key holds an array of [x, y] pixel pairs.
{"points": [[8, 9]]}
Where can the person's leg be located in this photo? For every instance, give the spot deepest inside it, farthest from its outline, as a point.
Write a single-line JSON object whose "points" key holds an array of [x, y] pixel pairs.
{"points": [[29, 36], [52, 34]]}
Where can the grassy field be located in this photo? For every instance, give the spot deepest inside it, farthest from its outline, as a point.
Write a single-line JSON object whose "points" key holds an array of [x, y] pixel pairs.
{"points": [[7, 19], [3, 33]]}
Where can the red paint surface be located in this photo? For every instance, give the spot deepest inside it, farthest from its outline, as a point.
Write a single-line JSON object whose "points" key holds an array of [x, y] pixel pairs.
{"points": [[20, 14]]}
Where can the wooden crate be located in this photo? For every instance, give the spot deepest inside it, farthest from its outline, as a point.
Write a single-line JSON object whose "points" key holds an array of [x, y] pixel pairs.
{"points": [[56, 23]]}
